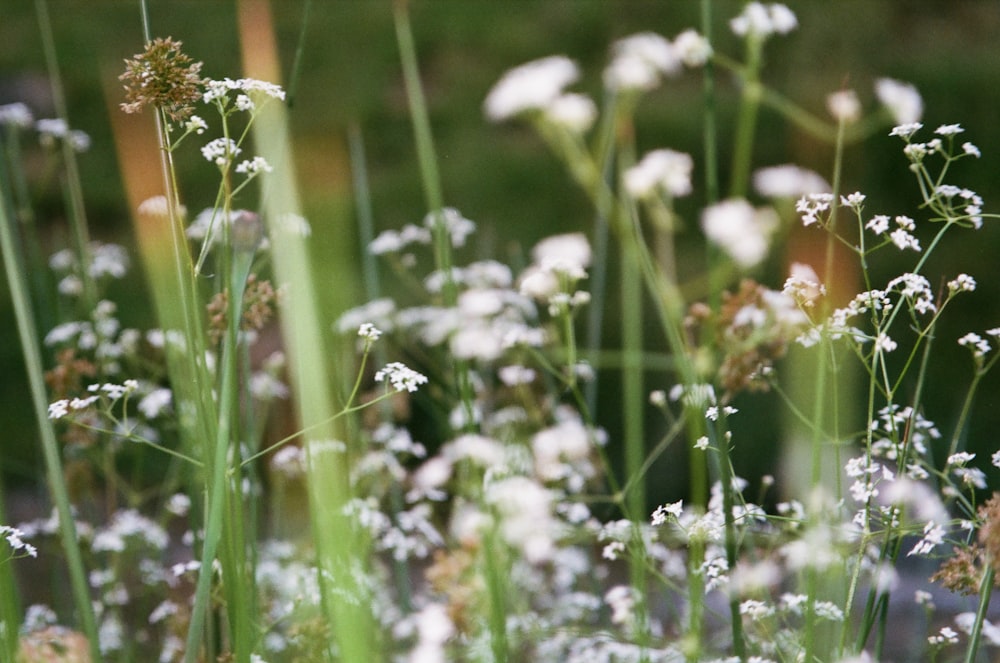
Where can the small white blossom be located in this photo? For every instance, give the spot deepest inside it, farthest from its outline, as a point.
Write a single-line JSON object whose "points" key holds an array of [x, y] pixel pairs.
{"points": [[844, 106], [662, 512], [220, 151], [16, 115], [949, 130], [692, 48], [369, 332], [531, 86], [254, 166], [662, 169], [401, 377], [739, 230], [575, 112], [639, 61], [902, 100], [788, 181], [810, 206], [759, 21]]}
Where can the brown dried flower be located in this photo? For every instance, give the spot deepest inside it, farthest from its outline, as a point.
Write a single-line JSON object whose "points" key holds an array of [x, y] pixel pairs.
{"points": [[164, 77], [259, 300]]}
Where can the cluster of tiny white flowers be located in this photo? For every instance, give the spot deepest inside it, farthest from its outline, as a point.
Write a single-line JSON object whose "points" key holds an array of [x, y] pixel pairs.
{"points": [[369, 332], [788, 181], [933, 536], [664, 511], [980, 346], [946, 636], [743, 232], [221, 151], [664, 170], [530, 87], [253, 166], [195, 124], [17, 115], [15, 539], [760, 21], [401, 377], [111, 391], [902, 101], [811, 205], [639, 61], [51, 130], [217, 90]]}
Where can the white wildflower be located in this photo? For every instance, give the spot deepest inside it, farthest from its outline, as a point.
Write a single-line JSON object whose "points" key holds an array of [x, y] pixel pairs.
{"points": [[663, 169], [531, 86], [902, 100], [788, 181], [739, 230]]}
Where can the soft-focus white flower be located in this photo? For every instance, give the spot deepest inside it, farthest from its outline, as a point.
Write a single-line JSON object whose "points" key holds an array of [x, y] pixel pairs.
{"points": [[16, 115], [401, 377], [155, 402], [844, 106], [571, 250], [574, 111], [531, 86], [788, 181], [526, 521], [692, 48], [639, 61], [902, 100], [759, 21], [739, 230], [660, 169]]}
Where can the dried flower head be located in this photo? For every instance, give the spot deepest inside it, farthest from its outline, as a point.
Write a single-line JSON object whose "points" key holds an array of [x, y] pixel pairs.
{"points": [[164, 77]]}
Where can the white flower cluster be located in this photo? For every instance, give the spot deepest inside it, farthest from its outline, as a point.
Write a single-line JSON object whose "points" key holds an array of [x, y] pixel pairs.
{"points": [[760, 21], [15, 539], [221, 151], [660, 170], [52, 130], [254, 166], [218, 90], [16, 115], [108, 390], [742, 232], [400, 376]]}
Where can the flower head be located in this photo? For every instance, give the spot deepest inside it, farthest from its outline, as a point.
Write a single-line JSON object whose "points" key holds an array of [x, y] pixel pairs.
{"points": [[640, 61], [532, 86], [401, 377], [164, 77], [901, 99], [739, 230], [660, 169]]}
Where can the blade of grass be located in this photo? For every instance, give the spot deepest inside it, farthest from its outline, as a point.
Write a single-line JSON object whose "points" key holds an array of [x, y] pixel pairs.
{"points": [[28, 334]]}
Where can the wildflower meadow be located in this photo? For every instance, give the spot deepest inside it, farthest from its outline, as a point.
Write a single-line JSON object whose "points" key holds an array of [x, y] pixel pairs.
{"points": [[725, 406]]}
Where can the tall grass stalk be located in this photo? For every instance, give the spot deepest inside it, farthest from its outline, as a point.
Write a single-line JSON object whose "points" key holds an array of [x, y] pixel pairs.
{"points": [[31, 351], [342, 552], [71, 182]]}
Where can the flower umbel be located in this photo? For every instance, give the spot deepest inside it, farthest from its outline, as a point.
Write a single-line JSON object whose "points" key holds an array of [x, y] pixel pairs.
{"points": [[164, 77]]}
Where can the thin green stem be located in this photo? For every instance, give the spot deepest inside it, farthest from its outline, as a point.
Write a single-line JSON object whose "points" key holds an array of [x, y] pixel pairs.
{"points": [[74, 190], [709, 131], [31, 351], [985, 593]]}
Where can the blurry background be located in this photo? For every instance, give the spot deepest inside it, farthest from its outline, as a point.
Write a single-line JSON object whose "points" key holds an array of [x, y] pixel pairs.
{"points": [[502, 176]]}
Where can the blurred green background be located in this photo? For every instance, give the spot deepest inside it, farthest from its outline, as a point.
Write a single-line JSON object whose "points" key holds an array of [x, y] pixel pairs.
{"points": [[502, 176]]}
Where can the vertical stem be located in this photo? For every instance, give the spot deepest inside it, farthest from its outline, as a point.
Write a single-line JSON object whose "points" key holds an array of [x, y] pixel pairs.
{"points": [[746, 122], [985, 592], [709, 135], [732, 554], [74, 192], [28, 333], [431, 178]]}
